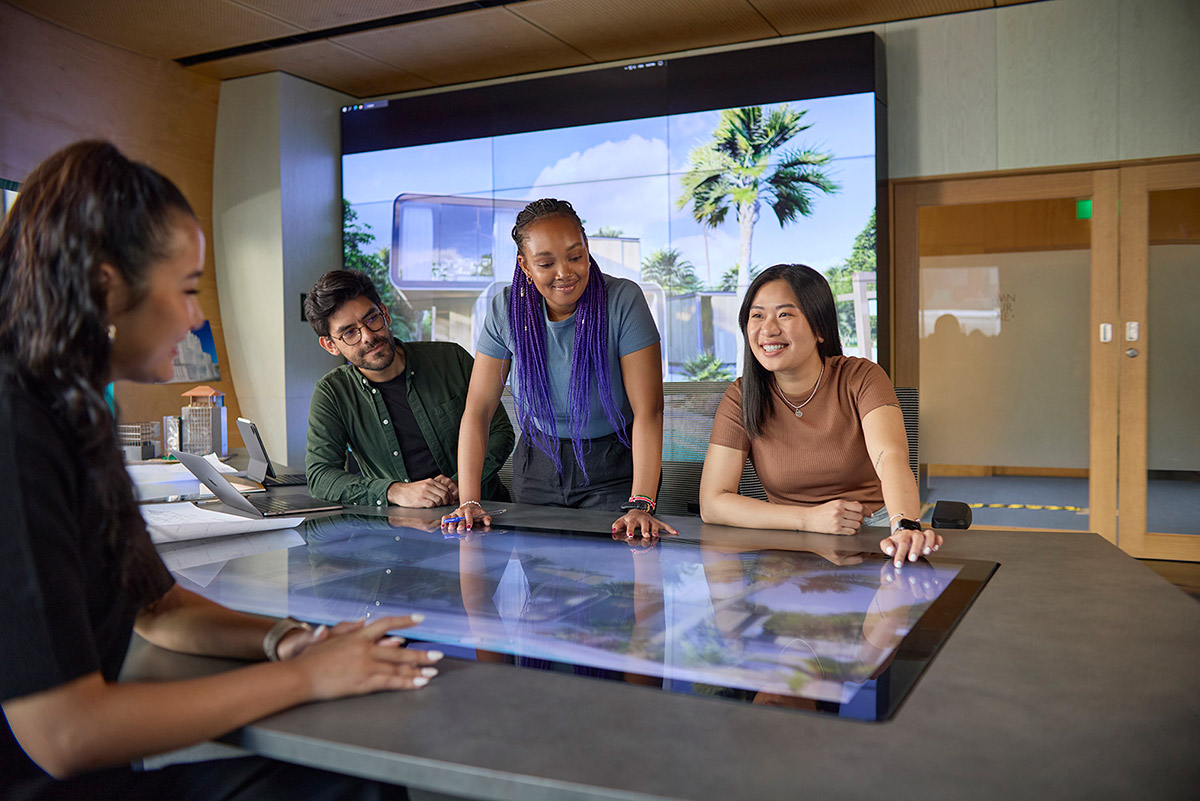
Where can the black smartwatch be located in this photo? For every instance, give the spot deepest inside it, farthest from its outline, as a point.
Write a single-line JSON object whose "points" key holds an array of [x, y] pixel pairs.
{"points": [[910, 525], [645, 506]]}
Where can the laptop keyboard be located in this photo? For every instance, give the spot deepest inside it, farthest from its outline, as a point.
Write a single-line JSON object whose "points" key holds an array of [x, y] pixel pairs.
{"points": [[273, 505]]}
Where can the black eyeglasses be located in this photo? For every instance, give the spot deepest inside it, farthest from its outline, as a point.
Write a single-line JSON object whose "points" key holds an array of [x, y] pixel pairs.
{"points": [[353, 336]]}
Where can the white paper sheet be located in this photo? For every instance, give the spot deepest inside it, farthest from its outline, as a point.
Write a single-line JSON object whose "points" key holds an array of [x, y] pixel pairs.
{"points": [[166, 472], [169, 522], [187, 554], [199, 561]]}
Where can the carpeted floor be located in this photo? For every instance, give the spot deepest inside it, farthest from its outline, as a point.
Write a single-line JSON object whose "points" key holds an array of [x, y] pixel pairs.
{"points": [[1173, 507]]}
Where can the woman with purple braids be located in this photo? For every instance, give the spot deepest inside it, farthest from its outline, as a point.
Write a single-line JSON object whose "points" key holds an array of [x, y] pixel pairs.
{"points": [[587, 381]]}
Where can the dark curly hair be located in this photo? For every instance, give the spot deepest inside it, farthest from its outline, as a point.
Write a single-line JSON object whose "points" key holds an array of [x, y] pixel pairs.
{"points": [[332, 290]]}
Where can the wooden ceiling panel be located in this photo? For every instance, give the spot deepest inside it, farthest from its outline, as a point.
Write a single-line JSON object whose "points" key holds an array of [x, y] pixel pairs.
{"points": [[162, 28], [315, 15], [326, 63], [792, 18], [513, 39], [609, 30], [466, 47]]}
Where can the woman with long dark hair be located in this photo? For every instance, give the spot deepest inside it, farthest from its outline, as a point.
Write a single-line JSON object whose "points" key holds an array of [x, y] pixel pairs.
{"points": [[100, 261], [824, 431], [587, 381]]}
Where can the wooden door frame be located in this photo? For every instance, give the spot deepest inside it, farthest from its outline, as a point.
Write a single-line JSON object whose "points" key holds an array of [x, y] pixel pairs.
{"points": [[1136, 184], [1102, 185]]}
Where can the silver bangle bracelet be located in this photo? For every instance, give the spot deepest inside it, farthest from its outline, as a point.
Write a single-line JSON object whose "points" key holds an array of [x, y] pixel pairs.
{"points": [[277, 633]]}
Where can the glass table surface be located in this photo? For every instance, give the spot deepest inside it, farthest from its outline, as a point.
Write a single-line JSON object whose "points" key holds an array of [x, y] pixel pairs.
{"points": [[842, 633]]}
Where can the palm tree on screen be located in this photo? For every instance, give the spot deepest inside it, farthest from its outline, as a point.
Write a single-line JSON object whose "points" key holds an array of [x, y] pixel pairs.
{"points": [[669, 269], [738, 169]]}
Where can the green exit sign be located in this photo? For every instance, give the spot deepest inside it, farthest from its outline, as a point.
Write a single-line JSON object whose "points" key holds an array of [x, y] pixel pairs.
{"points": [[1083, 209]]}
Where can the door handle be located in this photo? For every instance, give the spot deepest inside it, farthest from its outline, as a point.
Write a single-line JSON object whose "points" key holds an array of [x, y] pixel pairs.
{"points": [[1132, 353]]}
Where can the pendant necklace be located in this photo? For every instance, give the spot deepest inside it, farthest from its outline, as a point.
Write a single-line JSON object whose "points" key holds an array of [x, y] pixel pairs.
{"points": [[796, 409]]}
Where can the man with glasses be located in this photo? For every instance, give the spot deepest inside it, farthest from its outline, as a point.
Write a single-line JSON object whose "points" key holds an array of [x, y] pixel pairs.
{"points": [[396, 405]]}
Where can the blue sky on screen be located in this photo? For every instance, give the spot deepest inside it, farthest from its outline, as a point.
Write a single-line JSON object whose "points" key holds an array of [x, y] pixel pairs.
{"points": [[626, 175]]}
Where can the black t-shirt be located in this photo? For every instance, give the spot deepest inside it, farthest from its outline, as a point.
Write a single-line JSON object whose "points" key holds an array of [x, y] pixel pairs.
{"points": [[64, 613], [418, 460]]}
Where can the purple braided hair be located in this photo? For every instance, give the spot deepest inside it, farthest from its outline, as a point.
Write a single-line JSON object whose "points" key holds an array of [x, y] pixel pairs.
{"points": [[589, 352]]}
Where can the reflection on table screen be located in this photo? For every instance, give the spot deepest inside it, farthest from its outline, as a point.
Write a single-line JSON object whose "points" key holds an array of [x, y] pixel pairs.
{"points": [[776, 624]]}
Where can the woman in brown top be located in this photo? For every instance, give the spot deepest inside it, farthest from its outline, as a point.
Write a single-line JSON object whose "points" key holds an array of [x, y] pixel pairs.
{"points": [[823, 430]]}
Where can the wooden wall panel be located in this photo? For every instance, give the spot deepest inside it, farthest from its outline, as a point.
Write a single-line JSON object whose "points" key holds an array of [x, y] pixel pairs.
{"points": [[1173, 216], [1105, 358], [1132, 372], [60, 87], [1013, 226]]}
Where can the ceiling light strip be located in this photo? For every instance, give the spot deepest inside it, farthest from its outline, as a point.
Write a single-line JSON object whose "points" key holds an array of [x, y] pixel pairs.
{"points": [[342, 30]]}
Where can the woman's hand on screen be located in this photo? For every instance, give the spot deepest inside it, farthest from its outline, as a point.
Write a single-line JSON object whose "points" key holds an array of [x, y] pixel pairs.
{"points": [[464, 517], [906, 544], [356, 657], [636, 522]]}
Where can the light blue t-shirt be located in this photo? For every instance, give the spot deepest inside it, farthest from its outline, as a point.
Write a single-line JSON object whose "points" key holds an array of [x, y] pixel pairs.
{"points": [[630, 328]]}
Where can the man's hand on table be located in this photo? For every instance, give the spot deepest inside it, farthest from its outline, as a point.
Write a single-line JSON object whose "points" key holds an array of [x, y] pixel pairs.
{"points": [[436, 491]]}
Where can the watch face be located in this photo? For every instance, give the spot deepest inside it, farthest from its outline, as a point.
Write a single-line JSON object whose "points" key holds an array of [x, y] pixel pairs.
{"points": [[911, 525]]}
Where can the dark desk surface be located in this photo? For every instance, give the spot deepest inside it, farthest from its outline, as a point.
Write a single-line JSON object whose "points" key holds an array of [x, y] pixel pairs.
{"points": [[1073, 675]]}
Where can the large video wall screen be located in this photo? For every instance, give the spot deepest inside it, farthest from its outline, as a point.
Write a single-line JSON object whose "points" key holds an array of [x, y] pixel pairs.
{"points": [[690, 175]]}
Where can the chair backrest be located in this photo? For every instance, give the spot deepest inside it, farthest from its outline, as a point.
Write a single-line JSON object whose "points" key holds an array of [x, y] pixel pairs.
{"points": [[689, 408], [688, 412], [510, 406], [910, 407]]}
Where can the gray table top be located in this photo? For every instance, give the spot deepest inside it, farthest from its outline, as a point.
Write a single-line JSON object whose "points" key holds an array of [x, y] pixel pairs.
{"points": [[1072, 675]]}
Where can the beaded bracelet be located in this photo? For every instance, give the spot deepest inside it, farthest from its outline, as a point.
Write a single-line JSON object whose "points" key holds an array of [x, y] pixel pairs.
{"points": [[634, 500], [471, 503]]}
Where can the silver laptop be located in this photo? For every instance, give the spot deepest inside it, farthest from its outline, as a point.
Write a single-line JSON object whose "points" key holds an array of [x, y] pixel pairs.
{"points": [[260, 468], [256, 506]]}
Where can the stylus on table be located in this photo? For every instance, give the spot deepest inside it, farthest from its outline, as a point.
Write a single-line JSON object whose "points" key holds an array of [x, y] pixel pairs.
{"points": [[459, 518]]}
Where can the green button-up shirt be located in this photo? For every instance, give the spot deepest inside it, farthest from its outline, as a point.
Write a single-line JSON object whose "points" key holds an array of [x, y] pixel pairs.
{"points": [[348, 412]]}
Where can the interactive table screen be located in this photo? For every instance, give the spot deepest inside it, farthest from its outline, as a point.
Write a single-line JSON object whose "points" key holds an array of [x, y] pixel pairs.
{"points": [[840, 633]]}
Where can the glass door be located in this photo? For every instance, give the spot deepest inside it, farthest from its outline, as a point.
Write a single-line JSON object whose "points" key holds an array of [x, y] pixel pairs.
{"points": [[1012, 280], [1159, 366]]}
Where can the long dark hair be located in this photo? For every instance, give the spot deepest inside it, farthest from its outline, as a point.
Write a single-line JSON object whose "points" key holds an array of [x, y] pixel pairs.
{"points": [[589, 353], [85, 206], [816, 304]]}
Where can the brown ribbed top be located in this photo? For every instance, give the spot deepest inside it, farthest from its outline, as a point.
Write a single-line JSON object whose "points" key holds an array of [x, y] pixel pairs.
{"points": [[821, 456]]}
